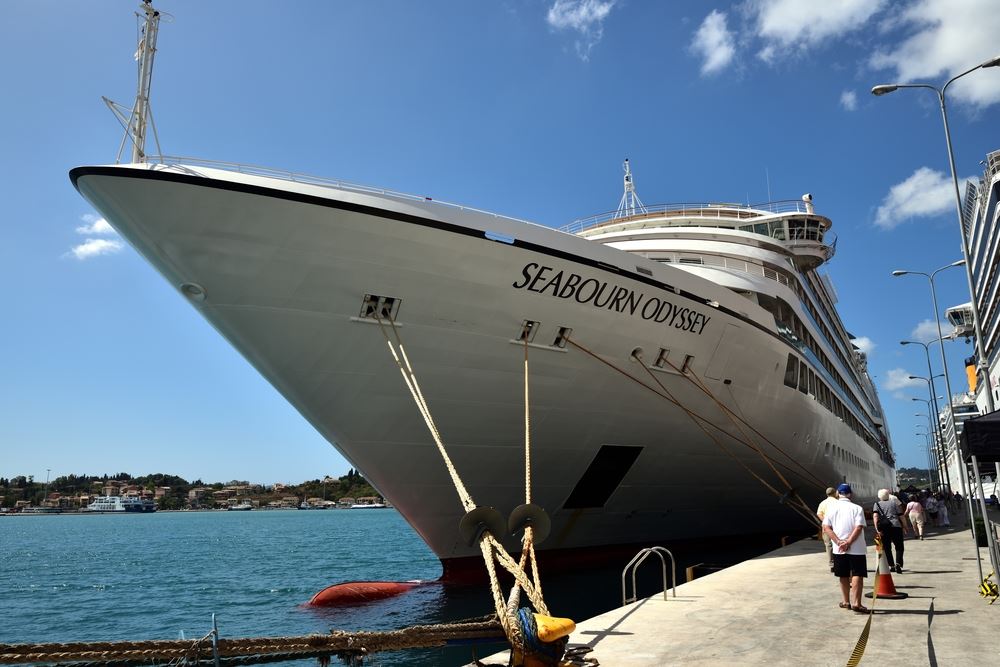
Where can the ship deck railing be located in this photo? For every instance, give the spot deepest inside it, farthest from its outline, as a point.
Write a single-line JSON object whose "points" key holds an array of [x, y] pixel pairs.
{"points": [[693, 210], [308, 179]]}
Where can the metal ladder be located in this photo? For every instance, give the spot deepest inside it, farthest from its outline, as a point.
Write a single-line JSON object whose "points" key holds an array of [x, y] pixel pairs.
{"points": [[638, 560]]}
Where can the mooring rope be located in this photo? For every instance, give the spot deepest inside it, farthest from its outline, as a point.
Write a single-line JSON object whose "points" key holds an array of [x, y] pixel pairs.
{"points": [[862, 643], [698, 422], [736, 422], [490, 547], [253, 650], [701, 420]]}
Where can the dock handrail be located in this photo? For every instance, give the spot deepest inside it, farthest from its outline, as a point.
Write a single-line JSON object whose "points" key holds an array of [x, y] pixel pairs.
{"points": [[638, 560]]}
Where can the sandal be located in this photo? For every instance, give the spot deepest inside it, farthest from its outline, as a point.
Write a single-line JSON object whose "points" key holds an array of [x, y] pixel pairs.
{"points": [[844, 605], [860, 609]]}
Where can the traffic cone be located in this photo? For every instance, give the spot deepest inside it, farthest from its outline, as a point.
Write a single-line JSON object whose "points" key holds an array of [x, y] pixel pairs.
{"points": [[884, 588]]}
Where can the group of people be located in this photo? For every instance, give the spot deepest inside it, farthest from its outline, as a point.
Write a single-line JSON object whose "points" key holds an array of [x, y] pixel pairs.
{"points": [[843, 525]]}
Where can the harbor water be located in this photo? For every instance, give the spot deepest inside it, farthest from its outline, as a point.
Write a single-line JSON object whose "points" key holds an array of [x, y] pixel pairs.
{"points": [[162, 576]]}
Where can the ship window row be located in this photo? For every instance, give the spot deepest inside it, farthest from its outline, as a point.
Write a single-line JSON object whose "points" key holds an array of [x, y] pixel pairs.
{"points": [[799, 376], [844, 455], [821, 325], [788, 230], [790, 320], [786, 319]]}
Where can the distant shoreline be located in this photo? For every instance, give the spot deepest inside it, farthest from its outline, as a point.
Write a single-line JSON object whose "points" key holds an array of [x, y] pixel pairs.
{"points": [[77, 512]]}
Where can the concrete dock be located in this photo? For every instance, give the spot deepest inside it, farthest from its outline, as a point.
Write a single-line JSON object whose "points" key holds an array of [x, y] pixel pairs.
{"points": [[782, 609]]}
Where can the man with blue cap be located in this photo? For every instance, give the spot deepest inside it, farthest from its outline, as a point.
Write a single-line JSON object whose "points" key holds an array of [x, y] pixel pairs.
{"points": [[844, 522]]}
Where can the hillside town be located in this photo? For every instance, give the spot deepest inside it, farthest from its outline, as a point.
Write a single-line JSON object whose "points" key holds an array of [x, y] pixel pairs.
{"points": [[74, 493]]}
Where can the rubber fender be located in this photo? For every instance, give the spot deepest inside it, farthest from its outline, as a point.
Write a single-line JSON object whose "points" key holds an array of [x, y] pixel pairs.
{"points": [[551, 628], [359, 592]]}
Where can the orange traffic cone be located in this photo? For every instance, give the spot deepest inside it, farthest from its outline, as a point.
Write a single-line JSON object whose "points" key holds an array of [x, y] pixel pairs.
{"points": [[884, 588]]}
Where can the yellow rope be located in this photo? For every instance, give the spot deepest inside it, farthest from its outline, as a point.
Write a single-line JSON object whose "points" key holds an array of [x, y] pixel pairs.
{"points": [[859, 647], [491, 548]]}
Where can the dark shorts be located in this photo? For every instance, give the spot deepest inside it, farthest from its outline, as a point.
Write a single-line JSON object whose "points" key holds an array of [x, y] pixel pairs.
{"points": [[849, 565]]}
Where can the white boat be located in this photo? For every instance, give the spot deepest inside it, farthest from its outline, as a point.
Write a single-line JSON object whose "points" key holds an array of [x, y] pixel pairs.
{"points": [[717, 308], [112, 504], [242, 506]]}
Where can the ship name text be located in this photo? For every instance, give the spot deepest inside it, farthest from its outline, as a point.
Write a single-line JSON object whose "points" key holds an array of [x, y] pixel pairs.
{"points": [[602, 294]]}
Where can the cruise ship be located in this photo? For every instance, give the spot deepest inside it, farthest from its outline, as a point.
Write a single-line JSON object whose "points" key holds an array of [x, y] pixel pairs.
{"points": [[980, 225], [683, 359]]}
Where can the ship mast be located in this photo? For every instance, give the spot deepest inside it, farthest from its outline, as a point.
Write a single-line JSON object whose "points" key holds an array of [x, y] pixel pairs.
{"points": [[140, 118], [630, 203]]}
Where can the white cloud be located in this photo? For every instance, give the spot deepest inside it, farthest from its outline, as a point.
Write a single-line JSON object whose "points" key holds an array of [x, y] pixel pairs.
{"points": [[94, 247], [714, 43], [786, 25], [585, 17], [927, 330], [95, 226], [849, 100], [924, 194], [899, 378], [948, 37], [865, 344]]}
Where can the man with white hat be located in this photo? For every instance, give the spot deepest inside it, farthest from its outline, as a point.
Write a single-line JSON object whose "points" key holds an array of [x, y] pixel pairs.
{"points": [[845, 523]]}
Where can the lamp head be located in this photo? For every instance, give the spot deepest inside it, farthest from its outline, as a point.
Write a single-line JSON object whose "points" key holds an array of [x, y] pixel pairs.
{"points": [[992, 62], [906, 342], [914, 377], [886, 88], [961, 261], [898, 273]]}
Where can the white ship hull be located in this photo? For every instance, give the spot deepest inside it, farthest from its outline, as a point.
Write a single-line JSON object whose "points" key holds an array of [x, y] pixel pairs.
{"points": [[285, 267]]}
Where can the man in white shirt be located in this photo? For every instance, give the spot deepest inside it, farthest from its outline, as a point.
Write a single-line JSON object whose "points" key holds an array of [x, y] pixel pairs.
{"points": [[831, 498], [844, 522]]}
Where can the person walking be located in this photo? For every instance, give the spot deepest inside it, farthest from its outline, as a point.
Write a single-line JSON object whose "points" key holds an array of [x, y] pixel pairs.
{"points": [[845, 523], [943, 519], [915, 511], [888, 516], [931, 508], [831, 498]]}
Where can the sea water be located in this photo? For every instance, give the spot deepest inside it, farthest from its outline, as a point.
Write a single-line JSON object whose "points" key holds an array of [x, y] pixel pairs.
{"points": [[161, 576]]}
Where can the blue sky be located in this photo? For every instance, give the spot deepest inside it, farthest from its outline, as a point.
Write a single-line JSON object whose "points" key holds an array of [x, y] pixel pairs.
{"points": [[524, 107]]}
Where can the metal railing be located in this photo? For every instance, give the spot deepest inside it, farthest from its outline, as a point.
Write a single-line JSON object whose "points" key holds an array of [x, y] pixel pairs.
{"points": [[697, 210], [177, 162], [638, 560]]}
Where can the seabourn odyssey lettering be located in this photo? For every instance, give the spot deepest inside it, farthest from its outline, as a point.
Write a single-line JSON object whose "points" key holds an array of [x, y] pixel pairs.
{"points": [[602, 294]]}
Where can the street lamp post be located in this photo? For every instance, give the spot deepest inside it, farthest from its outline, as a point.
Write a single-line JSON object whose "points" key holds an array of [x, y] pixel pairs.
{"points": [[944, 362], [934, 435], [931, 455], [947, 380], [927, 452], [935, 427], [980, 351]]}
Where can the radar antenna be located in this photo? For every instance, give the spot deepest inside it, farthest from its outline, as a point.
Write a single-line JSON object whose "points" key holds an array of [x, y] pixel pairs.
{"points": [[140, 116], [630, 204]]}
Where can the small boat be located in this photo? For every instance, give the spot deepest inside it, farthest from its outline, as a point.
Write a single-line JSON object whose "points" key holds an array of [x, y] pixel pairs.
{"points": [[242, 506], [43, 509]]}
